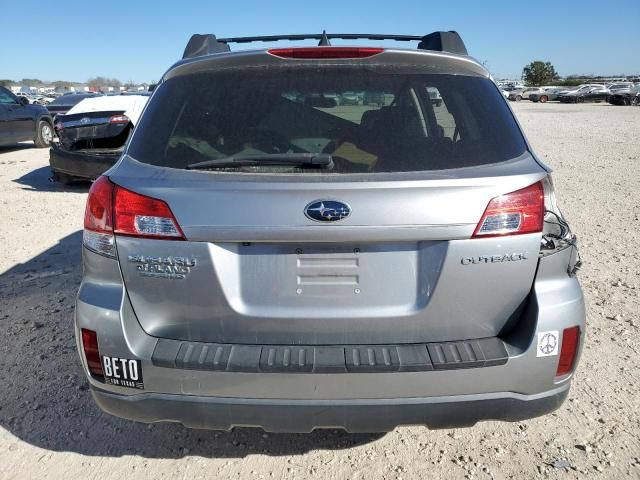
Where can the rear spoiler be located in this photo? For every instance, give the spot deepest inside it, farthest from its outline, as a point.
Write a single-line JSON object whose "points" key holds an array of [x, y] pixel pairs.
{"points": [[206, 44]]}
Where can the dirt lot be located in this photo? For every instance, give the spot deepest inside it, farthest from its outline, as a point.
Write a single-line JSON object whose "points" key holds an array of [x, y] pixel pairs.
{"points": [[50, 428]]}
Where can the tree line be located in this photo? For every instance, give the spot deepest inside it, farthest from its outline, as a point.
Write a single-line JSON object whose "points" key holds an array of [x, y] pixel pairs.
{"points": [[539, 73], [97, 83]]}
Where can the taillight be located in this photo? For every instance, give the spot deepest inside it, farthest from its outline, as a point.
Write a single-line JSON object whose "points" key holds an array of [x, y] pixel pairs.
{"points": [[98, 218], [112, 209], [568, 351], [119, 119], [142, 216], [514, 213], [91, 353], [325, 52]]}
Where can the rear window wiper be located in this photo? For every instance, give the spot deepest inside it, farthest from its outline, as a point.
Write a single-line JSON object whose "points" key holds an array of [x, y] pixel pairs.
{"points": [[309, 160]]}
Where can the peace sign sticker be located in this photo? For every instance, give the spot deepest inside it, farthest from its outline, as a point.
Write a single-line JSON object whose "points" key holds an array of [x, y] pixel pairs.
{"points": [[547, 344]]}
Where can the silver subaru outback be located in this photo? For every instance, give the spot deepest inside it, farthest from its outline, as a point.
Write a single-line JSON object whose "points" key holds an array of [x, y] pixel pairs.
{"points": [[266, 253]]}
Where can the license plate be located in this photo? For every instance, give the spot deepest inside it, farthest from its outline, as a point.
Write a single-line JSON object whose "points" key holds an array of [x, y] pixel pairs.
{"points": [[122, 372]]}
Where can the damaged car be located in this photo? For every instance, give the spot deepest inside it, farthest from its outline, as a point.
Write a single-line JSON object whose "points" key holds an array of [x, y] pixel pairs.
{"points": [[93, 135], [260, 258]]}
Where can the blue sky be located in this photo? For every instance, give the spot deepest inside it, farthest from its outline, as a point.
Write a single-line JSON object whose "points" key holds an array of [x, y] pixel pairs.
{"points": [[138, 40]]}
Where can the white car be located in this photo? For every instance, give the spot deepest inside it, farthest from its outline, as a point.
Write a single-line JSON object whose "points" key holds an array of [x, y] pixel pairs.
{"points": [[580, 88], [529, 90], [613, 87]]}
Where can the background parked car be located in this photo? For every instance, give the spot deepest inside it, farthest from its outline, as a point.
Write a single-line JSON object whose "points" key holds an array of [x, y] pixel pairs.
{"points": [[545, 95], [373, 98], [63, 104], [625, 96], [93, 135], [434, 96], [21, 121], [614, 87], [529, 90], [580, 88], [511, 87], [350, 98], [591, 94], [32, 98], [515, 95]]}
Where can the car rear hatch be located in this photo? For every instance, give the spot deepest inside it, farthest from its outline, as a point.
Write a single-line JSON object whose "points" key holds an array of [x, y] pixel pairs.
{"points": [[257, 261], [88, 130]]}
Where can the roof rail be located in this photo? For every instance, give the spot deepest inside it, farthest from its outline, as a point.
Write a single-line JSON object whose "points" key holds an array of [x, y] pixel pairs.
{"points": [[438, 41]]}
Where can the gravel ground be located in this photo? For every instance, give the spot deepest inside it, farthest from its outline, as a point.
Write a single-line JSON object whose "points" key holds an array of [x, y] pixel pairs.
{"points": [[50, 428]]}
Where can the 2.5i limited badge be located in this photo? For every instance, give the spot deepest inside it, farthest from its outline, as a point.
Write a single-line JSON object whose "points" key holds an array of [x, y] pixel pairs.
{"points": [[122, 372], [172, 268]]}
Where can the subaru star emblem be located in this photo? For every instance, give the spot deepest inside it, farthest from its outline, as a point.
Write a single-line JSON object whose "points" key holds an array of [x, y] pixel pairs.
{"points": [[85, 120], [327, 210]]}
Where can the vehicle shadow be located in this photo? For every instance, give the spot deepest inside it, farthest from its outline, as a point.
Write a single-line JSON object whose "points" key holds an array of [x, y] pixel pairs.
{"points": [[44, 399], [16, 147], [40, 180]]}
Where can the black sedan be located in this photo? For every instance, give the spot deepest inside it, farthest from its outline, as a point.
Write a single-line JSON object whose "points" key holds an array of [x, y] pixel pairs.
{"points": [[21, 121], [627, 96], [593, 94]]}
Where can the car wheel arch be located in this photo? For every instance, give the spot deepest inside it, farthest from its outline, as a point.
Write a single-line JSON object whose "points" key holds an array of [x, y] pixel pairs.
{"points": [[38, 138]]}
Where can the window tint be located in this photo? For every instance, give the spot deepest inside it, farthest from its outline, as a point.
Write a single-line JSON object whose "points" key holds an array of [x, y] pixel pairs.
{"points": [[60, 101], [6, 97], [369, 120], [70, 99], [67, 100]]}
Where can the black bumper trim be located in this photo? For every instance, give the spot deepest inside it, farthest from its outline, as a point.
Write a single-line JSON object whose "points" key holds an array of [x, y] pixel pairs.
{"points": [[477, 353], [355, 416], [81, 164]]}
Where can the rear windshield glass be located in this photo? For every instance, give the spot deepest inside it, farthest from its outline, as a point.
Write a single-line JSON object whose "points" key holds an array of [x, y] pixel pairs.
{"points": [[366, 119], [69, 99]]}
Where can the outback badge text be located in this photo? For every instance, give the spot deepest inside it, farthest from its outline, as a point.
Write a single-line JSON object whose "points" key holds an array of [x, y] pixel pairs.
{"points": [[509, 257]]}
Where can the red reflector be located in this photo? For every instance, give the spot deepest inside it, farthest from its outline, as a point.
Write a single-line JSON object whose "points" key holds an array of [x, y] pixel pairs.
{"points": [[98, 216], [514, 213], [142, 216], [91, 352], [568, 351], [325, 52], [119, 119]]}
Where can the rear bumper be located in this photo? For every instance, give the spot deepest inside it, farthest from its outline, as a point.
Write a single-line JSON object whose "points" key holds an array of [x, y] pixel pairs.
{"points": [[81, 164], [184, 383], [355, 416]]}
